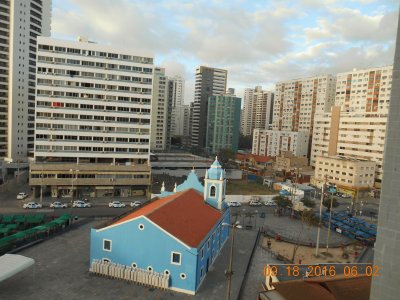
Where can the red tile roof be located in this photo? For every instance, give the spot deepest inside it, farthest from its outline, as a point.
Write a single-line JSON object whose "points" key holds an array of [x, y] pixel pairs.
{"points": [[184, 215]]}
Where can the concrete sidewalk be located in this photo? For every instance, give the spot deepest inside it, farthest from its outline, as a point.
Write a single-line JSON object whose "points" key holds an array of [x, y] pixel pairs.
{"points": [[62, 263]]}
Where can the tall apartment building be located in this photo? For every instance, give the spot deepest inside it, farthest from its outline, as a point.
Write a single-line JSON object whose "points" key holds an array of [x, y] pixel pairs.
{"points": [[296, 103], [209, 82], [223, 123], [92, 127], [275, 143], [356, 127], [180, 121], [159, 137], [257, 110], [21, 21], [176, 90]]}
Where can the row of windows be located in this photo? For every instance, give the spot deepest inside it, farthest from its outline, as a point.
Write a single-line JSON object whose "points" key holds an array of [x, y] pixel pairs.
{"points": [[40, 148], [92, 75], [89, 85], [101, 54], [140, 131], [93, 117], [91, 138], [92, 64], [71, 105], [98, 176], [92, 96]]}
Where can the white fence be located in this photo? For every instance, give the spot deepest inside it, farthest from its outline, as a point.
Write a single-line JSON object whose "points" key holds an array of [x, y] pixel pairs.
{"points": [[137, 275], [247, 198]]}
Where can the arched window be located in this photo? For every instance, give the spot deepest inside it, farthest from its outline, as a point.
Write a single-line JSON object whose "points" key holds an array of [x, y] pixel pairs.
{"points": [[212, 191]]}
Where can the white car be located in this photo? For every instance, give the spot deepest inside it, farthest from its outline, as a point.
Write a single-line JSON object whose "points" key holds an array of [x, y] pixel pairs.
{"points": [[32, 205], [136, 203], [116, 204], [269, 203], [233, 203], [346, 196], [255, 203], [22, 196], [81, 204], [58, 204]]}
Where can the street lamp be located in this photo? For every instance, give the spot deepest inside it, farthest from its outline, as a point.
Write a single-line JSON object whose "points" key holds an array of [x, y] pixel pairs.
{"points": [[320, 216], [229, 272], [332, 190], [255, 218], [72, 182]]}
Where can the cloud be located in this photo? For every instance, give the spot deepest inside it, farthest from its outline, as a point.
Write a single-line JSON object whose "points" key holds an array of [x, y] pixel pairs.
{"points": [[258, 42]]}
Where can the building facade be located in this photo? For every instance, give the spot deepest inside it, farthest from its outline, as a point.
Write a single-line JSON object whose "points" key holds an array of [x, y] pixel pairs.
{"points": [[159, 112], [93, 111], [176, 90], [223, 123], [350, 175], [353, 135], [209, 82], [287, 161], [388, 242], [179, 235], [275, 142], [21, 21], [180, 121], [257, 110], [296, 103]]}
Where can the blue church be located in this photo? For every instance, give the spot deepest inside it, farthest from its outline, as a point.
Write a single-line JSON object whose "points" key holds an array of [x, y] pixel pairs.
{"points": [[176, 237]]}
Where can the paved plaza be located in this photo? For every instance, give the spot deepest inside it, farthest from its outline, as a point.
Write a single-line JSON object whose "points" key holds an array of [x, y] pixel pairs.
{"points": [[62, 263]]}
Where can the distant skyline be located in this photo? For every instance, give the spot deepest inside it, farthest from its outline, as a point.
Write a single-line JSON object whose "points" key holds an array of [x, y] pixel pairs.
{"points": [[258, 42]]}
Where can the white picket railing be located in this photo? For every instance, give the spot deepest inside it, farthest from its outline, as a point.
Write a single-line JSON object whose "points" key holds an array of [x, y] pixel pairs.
{"points": [[141, 276]]}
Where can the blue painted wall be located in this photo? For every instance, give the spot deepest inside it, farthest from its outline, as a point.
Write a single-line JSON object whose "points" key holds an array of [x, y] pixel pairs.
{"points": [[148, 247], [208, 253]]}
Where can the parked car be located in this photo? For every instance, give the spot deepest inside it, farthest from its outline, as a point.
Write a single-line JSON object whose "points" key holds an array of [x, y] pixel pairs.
{"points": [[233, 203], [81, 204], [269, 203], [255, 203], [346, 196], [32, 205], [116, 204], [58, 204], [22, 196], [136, 203]]}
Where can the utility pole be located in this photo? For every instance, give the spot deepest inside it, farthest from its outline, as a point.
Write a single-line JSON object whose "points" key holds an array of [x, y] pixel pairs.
{"points": [[332, 189], [320, 217]]}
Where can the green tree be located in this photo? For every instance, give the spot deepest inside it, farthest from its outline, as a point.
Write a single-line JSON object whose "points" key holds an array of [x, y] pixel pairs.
{"points": [[308, 202], [327, 203], [282, 202], [245, 141], [225, 156]]}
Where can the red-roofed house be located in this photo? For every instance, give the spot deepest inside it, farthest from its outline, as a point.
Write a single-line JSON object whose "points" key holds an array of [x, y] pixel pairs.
{"points": [[179, 235], [256, 164]]}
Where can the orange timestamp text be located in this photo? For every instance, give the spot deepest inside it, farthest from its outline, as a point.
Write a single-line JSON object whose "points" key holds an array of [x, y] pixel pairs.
{"points": [[321, 270]]}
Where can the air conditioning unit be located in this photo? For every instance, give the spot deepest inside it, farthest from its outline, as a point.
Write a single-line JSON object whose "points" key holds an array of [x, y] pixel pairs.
{"points": [[51, 150]]}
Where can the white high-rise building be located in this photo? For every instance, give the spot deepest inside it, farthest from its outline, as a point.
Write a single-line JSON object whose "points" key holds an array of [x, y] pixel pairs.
{"points": [[176, 90], [356, 126], [275, 142], [209, 82], [180, 121], [257, 110], [296, 102], [21, 21], [92, 126], [159, 112]]}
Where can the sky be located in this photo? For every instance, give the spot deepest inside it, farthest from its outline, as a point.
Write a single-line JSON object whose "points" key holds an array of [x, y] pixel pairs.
{"points": [[258, 42]]}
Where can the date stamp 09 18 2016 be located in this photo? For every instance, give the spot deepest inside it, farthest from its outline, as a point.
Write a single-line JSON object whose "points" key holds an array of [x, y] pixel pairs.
{"points": [[317, 270]]}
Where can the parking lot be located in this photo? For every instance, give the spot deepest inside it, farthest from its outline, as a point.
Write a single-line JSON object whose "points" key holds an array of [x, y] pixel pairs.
{"points": [[62, 263]]}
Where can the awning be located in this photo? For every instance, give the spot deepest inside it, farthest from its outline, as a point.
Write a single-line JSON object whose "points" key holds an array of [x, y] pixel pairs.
{"points": [[11, 264]]}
